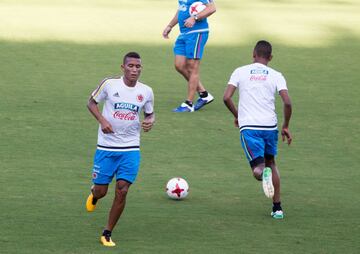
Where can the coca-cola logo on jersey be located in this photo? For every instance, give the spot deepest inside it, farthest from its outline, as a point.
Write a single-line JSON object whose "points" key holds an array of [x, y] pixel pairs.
{"points": [[258, 78], [125, 115]]}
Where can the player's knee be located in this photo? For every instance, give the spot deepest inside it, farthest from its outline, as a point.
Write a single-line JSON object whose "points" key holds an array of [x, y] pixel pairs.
{"points": [[180, 67], [121, 192], [257, 174]]}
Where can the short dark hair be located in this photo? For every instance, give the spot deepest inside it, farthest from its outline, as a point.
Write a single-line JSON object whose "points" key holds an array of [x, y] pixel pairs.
{"points": [[263, 49], [131, 55]]}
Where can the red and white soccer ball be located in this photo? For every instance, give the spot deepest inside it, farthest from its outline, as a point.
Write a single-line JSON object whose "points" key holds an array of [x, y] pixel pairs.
{"points": [[196, 8], [177, 188]]}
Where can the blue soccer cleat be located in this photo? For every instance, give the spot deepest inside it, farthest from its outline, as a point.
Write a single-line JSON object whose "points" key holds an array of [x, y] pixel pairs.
{"points": [[183, 108], [201, 102]]}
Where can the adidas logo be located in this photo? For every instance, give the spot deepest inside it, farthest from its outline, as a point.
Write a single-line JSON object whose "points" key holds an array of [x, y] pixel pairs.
{"points": [[116, 94]]}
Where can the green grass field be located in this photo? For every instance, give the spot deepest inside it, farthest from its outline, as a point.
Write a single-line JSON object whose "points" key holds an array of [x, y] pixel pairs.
{"points": [[54, 55]]}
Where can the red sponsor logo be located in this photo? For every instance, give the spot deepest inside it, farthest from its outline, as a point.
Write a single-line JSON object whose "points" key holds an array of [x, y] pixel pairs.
{"points": [[94, 175], [140, 97], [258, 77], [128, 116]]}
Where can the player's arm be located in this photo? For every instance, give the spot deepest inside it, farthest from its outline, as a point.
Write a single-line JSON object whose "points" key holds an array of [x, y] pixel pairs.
{"points": [[171, 24], [148, 121], [94, 110], [285, 132], [209, 10], [228, 94]]}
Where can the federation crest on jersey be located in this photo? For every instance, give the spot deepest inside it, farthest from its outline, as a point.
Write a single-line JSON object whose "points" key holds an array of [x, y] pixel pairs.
{"points": [[140, 97]]}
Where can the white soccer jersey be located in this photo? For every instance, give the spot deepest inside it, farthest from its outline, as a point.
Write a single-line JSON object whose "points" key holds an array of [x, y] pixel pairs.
{"points": [[257, 84], [122, 108]]}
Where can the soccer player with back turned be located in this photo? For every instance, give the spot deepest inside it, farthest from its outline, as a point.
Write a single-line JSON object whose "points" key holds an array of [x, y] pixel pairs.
{"points": [[188, 50], [118, 148], [257, 120]]}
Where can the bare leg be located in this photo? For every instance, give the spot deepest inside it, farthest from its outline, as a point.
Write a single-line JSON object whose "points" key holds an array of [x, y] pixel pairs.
{"points": [[118, 205], [258, 170], [99, 191], [193, 67], [182, 67]]}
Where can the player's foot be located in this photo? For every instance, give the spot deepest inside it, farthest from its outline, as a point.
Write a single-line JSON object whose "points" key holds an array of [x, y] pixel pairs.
{"points": [[106, 241], [277, 214], [91, 203], [267, 183], [201, 102], [184, 108]]}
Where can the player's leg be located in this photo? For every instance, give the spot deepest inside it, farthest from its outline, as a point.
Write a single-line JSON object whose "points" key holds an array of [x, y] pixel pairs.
{"points": [[117, 208], [180, 66], [193, 67], [270, 153], [102, 174], [127, 169], [97, 192], [253, 145], [270, 163], [121, 190], [195, 46]]}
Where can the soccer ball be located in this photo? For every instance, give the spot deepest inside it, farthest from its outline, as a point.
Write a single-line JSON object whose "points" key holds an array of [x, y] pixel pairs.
{"points": [[196, 8], [177, 188]]}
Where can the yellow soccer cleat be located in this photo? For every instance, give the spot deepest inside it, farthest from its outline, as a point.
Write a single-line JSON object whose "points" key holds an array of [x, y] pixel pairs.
{"points": [[91, 203], [106, 241]]}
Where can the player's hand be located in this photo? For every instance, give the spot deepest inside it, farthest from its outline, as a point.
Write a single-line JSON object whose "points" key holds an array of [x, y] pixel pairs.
{"points": [[236, 123], [106, 127], [285, 133], [189, 22], [166, 32], [147, 125]]}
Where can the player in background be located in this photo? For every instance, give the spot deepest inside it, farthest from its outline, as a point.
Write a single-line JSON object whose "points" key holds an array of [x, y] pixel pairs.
{"points": [[257, 120], [188, 50], [118, 145]]}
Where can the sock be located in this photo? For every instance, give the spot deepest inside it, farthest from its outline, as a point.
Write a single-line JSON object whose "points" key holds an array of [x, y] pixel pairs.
{"points": [[277, 206], [203, 94], [189, 103], [107, 234]]}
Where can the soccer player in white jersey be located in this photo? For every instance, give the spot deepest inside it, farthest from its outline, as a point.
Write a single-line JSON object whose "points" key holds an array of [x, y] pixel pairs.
{"points": [[118, 147], [189, 48], [257, 120]]}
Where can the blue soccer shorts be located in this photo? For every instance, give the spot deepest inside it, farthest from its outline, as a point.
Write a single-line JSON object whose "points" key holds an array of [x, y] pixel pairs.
{"points": [[259, 143], [191, 45], [124, 165]]}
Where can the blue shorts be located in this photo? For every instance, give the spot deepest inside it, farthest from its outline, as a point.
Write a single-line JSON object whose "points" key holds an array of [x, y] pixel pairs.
{"points": [[107, 164], [259, 143], [191, 45]]}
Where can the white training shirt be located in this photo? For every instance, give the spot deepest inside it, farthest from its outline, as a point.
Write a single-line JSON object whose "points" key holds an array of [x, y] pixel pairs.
{"points": [[122, 108], [257, 84]]}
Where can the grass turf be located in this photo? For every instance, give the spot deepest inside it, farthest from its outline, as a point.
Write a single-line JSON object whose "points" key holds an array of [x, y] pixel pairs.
{"points": [[48, 139]]}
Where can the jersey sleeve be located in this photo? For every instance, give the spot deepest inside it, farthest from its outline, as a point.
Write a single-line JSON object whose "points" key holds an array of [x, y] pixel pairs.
{"points": [[234, 79], [149, 104], [100, 93], [280, 83]]}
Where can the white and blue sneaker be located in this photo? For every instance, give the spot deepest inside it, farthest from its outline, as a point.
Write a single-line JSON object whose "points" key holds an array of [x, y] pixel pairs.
{"points": [[183, 108], [201, 102], [279, 214], [267, 183]]}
